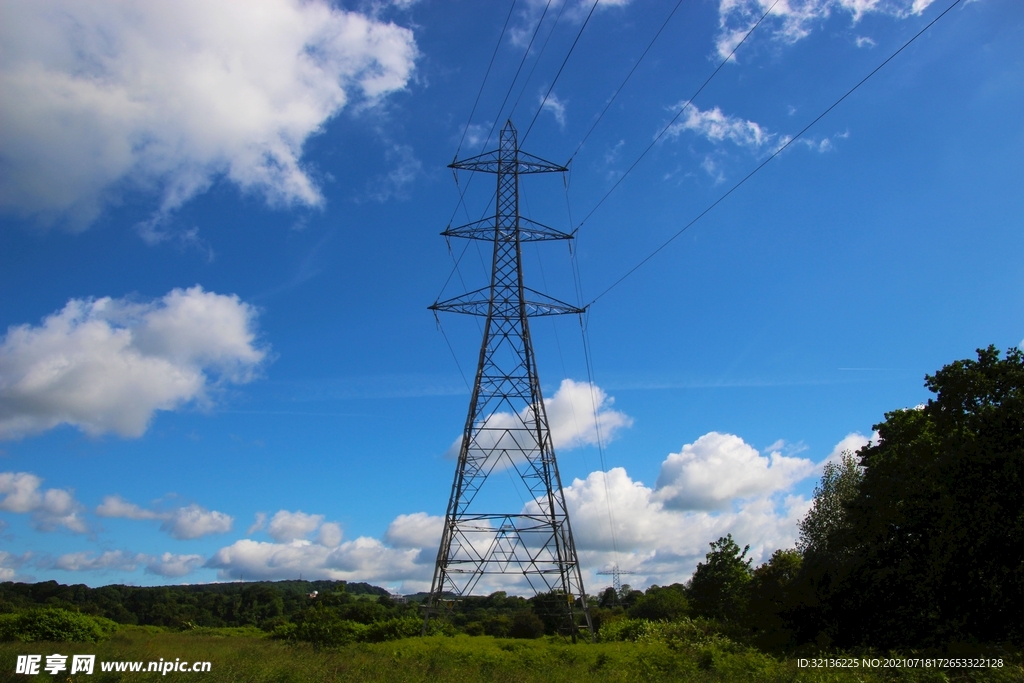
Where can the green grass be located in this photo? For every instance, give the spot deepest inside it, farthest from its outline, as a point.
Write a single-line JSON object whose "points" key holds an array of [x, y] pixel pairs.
{"points": [[238, 656]]}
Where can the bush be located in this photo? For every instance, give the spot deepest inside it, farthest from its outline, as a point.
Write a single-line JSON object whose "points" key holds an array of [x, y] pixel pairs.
{"points": [[526, 625], [323, 628], [660, 604], [54, 625], [394, 629]]}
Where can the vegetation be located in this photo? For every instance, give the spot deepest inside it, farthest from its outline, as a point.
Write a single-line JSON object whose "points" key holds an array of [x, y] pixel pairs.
{"points": [[915, 544]]}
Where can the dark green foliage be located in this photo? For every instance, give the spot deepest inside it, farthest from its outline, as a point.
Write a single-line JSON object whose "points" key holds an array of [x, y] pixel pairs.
{"points": [[933, 544], [54, 624], [263, 604], [323, 628], [661, 604], [609, 598], [718, 588], [526, 625], [772, 593]]}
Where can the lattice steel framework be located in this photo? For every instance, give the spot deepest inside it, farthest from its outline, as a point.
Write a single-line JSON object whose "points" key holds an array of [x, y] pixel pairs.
{"points": [[507, 425]]}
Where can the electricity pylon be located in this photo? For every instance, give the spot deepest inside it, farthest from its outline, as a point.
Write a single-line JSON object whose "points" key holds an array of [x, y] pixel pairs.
{"points": [[507, 425]]}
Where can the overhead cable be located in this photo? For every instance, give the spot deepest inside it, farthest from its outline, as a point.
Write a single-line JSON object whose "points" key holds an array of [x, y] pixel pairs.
{"points": [[774, 154], [676, 117]]}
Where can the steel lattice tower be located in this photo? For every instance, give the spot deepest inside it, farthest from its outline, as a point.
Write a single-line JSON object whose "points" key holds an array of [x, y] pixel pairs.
{"points": [[507, 425]]}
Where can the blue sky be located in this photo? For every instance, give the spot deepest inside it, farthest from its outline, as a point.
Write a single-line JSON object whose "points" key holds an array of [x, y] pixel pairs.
{"points": [[220, 238]]}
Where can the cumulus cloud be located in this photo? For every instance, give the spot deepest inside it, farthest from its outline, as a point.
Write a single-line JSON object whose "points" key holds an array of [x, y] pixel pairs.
{"points": [[173, 566], [400, 558], [167, 96], [660, 532], [362, 559], [258, 524], [50, 508], [330, 535], [853, 442], [195, 521], [118, 560], [166, 565], [187, 522], [288, 526], [10, 564], [107, 365], [663, 544], [717, 469], [116, 506], [578, 413], [418, 530], [793, 20]]}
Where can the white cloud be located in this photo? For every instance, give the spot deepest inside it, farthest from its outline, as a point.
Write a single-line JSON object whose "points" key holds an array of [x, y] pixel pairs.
{"points": [[50, 508], [109, 560], [577, 412], [258, 524], [330, 535], [171, 565], [116, 506], [363, 559], [793, 20], [418, 530], [655, 538], [717, 469], [10, 564], [556, 107], [288, 526], [166, 97], [852, 442], [186, 522], [864, 41], [167, 565], [107, 365], [716, 126], [195, 521]]}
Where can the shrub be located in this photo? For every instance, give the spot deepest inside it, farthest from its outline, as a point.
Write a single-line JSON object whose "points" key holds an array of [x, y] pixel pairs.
{"points": [[54, 625], [526, 625], [394, 629], [324, 629]]}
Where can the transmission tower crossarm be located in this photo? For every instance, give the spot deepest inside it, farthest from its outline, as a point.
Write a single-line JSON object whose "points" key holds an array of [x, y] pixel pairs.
{"points": [[496, 162], [529, 231], [477, 303]]}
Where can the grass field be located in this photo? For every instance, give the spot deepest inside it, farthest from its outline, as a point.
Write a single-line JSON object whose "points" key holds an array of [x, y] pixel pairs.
{"points": [[241, 656]]}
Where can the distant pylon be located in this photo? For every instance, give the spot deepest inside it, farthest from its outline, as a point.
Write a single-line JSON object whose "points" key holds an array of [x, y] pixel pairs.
{"points": [[507, 425], [616, 575]]}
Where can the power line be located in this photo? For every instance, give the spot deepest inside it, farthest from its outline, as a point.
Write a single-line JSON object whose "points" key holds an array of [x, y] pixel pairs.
{"points": [[676, 117], [564, 61], [484, 82], [774, 154], [536, 62], [526, 54], [623, 84]]}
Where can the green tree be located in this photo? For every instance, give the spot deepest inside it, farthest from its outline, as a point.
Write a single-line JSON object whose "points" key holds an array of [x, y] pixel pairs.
{"points": [[934, 539], [840, 482], [718, 588], [773, 588], [661, 604]]}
